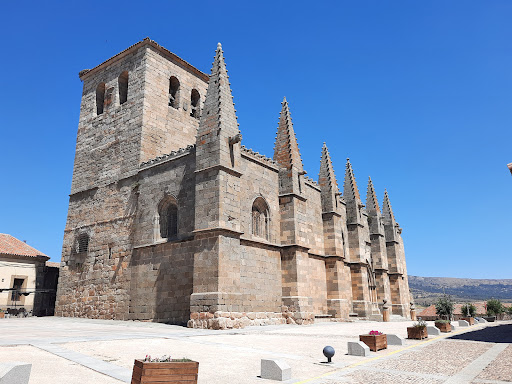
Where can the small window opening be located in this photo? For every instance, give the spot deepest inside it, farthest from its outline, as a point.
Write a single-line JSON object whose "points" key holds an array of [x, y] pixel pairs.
{"points": [[16, 289], [174, 92], [194, 103], [100, 98], [83, 242], [123, 87], [168, 215], [260, 218]]}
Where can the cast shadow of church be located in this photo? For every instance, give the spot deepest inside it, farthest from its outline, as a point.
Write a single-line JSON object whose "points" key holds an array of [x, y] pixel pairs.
{"points": [[495, 334]]}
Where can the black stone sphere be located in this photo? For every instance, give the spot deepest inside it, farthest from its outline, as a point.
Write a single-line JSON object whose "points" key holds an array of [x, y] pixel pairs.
{"points": [[328, 352]]}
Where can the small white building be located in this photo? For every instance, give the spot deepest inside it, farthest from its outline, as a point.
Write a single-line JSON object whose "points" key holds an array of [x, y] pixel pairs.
{"points": [[27, 279]]}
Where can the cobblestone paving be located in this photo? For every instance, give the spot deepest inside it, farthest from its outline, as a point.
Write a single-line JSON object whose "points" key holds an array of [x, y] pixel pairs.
{"points": [[445, 357], [368, 377], [500, 368]]}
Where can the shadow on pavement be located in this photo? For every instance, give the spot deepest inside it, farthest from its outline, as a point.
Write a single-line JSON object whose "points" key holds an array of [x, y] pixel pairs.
{"points": [[496, 334]]}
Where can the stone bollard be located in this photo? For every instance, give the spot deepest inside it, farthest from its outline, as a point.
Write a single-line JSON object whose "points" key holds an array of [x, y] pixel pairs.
{"points": [[394, 339], [15, 372], [463, 323], [275, 369], [358, 348], [385, 310], [433, 331], [413, 312]]}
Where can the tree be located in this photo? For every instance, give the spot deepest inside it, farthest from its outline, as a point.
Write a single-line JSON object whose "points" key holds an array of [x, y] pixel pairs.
{"points": [[468, 310], [444, 307], [494, 307]]}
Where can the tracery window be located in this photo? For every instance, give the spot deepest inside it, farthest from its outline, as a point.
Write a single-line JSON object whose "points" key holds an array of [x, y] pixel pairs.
{"points": [[260, 218]]}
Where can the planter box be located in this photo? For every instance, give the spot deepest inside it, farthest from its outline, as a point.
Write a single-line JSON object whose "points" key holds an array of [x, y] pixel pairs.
{"points": [[374, 342], [444, 327], [417, 333], [470, 320], [168, 372], [490, 319], [2, 315]]}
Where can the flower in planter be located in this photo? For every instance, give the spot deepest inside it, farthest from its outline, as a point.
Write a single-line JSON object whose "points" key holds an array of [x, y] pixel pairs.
{"points": [[375, 333], [420, 324], [163, 359]]}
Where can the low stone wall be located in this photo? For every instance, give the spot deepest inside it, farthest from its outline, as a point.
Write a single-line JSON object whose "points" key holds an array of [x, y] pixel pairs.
{"points": [[229, 320]]}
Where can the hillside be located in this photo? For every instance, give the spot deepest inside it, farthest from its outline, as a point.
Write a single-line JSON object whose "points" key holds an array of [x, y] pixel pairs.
{"points": [[426, 290]]}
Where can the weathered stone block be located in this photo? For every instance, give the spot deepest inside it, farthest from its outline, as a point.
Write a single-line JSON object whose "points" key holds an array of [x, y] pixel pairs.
{"points": [[275, 369], [394, 339], [15, 372], [433, 331], [358, 348]]}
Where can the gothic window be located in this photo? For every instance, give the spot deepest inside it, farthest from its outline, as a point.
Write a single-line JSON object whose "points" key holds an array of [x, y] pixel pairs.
{"points": [[260, 218], [168, 218], [194, 104], [123, 87], [174, 92], [83, 243], [100, 98]]}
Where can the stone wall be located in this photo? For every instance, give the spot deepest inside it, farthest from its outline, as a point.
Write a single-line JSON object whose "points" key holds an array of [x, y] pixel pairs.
{"points": [[167, 128]]}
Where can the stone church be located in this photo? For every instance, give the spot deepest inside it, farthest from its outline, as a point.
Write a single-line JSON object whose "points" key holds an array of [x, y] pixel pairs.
{"points": [[171, 219]]}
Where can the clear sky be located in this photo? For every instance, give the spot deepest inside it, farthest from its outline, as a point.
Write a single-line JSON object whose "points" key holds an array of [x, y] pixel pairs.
{"points": [[417, 93]]}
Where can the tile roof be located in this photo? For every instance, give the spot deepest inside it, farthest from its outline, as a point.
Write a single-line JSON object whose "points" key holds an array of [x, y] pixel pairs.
{"points": [[52, 264], [9, 245]]}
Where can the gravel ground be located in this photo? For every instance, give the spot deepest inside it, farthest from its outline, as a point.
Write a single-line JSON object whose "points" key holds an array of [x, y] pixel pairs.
{"points": [[445, 357], [500, 368]]}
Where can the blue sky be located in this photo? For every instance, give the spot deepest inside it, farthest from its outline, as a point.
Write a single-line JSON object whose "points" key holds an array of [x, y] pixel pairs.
{"points": [[417, 93]]}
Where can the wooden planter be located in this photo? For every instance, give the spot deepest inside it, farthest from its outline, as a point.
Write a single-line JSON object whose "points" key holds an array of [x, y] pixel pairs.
{"points": [[374, 342], [444, 327], [2, 315], [168, 372], [417, 333], [470, 320]]}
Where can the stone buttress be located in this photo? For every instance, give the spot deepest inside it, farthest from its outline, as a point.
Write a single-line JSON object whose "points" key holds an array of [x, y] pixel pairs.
{"points": [[378, 246], [339, 297], [216, 279], [363, 279], [400, 296], [292, 201]]}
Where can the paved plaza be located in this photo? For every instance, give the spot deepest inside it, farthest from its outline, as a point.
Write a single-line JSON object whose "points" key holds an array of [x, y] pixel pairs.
{"points": [[69, 351]]}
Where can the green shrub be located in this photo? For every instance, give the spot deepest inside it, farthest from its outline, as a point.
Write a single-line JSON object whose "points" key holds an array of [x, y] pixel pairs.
{"points": [[509, 310], [443, 321], [444, 307], [494, 307], [468, 309]]}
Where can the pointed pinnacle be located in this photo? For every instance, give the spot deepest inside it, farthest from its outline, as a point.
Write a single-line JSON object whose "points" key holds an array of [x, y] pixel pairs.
{"points": [[218, 110], [387, 211], [350, 191], [372, 203], [286, 149]]}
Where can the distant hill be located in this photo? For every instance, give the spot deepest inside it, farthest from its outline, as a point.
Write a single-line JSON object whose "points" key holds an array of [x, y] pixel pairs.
{"points": [[426, 290]]}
